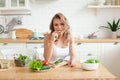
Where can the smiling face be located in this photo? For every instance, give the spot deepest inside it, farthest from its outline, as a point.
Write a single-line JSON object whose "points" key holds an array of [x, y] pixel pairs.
{"points": [[58, 26]]}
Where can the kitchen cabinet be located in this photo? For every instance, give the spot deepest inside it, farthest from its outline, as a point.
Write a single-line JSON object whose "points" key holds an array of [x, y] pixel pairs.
{"points": [[12, 45], [88, 50], [8, 7], [7, 50], [34, 45], [111, 57], [38, 49]]}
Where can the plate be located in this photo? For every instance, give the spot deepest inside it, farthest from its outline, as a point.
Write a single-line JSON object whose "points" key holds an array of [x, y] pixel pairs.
{"points": [[1, 29]]}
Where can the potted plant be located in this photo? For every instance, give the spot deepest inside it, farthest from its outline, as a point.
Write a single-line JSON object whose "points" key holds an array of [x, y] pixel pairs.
{"points": [[113, 26], [21, 60]]}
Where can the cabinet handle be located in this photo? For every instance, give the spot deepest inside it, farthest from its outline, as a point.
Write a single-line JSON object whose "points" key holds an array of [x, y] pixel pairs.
{"points": [[79, 43], [4, 43], [115, 43], [89, 54]]}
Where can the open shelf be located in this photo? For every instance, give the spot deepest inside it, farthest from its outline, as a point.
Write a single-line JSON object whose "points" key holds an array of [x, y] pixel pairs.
{"points": [[103, 6]]}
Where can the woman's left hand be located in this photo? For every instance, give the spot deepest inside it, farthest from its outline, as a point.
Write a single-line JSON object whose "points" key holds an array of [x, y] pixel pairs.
{"points": [[72, 63]]}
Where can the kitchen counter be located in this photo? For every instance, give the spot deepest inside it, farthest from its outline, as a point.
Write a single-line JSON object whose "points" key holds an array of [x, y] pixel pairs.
{"points": [[59, 73], [76, 40]]}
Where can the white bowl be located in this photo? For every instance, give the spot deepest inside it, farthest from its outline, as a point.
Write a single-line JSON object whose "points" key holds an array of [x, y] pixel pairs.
{"points": [[89, 66]]}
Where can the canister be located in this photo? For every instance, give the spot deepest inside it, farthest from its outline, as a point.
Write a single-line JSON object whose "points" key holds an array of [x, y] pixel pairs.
{"points": [[13, 35]]}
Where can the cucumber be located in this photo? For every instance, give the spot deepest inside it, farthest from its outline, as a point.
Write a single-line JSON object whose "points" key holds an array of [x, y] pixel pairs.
{"points": [[58, 61], [45, 67]]}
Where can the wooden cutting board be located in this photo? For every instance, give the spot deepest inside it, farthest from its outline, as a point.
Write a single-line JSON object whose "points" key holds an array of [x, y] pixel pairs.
{"points": [[53, 65], [22, 33]]}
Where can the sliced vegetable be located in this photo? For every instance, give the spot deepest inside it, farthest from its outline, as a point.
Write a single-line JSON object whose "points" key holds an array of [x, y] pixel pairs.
{"points": [[58, 61], [45, 67]]}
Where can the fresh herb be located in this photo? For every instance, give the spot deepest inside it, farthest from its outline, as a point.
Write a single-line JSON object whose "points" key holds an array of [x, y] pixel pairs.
{"points": [[91, 60], [21, 60]]}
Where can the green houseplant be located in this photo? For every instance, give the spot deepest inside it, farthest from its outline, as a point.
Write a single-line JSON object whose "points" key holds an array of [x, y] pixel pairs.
{"points": [[113, 26]]}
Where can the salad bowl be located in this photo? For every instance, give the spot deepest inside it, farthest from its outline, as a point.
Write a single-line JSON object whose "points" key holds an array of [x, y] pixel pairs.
{"points": [[90, 64]]}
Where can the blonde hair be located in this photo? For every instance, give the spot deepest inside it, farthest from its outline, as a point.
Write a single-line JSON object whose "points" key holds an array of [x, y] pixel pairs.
{"points": [[66, 34]]}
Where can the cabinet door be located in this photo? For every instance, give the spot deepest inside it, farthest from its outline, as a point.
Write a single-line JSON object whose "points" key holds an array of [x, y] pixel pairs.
{"points": [[8, 7], [18, 3], [112, 57], [88, 50], [7, 50], [12, 45], [38, 49], [14, 3], [3, 3]]}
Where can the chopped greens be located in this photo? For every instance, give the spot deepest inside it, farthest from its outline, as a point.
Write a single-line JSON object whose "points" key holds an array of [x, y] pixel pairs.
{"points": [[38, 65], [22, 60], [58, 61], [91, 60], [35, 65]]}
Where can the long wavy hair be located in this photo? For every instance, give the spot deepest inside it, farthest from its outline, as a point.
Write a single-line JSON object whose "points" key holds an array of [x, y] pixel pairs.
{"points": [[63, 19]]}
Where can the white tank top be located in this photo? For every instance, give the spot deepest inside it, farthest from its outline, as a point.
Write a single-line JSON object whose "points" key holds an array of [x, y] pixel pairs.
{"points": [[59, 53]]}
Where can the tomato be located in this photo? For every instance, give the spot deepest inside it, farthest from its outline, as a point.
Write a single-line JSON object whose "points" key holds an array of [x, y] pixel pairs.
{"points": [[45, 63]]}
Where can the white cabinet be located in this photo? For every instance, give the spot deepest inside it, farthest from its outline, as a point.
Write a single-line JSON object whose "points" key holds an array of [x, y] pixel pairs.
{"points": [[111, 60], [14, 7], [34, 45], [38, 49], [7, 50], [88, 50], [12, 45], [3, 3]]}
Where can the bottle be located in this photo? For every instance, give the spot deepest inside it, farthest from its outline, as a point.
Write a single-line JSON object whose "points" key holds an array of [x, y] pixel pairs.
{"points": [[13, 35]]}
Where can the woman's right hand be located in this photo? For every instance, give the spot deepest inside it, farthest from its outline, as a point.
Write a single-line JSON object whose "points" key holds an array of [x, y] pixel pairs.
{"points": [[54, 36]]}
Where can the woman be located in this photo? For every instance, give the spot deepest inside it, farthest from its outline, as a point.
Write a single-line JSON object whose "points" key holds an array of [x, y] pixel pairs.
{"points": [[59, 43]]}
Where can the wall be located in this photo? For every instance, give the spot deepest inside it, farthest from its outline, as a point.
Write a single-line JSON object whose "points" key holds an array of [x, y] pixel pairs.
{"points": [[82, 20]]}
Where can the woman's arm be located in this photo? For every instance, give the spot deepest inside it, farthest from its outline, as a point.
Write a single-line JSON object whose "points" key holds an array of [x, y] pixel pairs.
{"points": [[72, 52], [48, 44]]}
